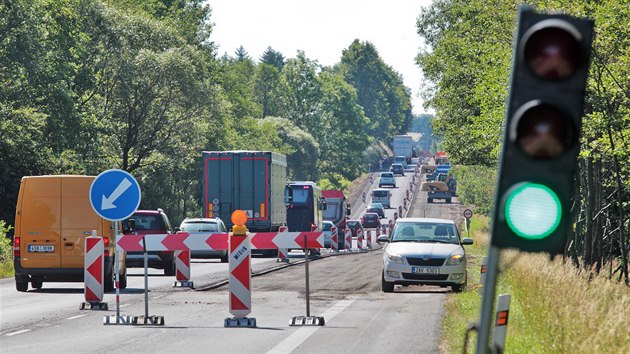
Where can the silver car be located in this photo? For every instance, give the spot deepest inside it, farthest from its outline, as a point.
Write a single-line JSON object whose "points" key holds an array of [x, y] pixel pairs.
{"points": [[423, 251], [205, 225]]}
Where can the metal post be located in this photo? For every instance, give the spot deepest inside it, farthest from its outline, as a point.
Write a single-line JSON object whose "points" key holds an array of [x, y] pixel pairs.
{"points": [[116, 260], [489, 288], [308, 297], [146, 279]]}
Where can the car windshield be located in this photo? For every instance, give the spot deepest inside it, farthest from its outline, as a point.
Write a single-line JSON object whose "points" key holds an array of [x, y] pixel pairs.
{"points": [[378, 193], [353, 224], [200, 226], [387, 175], [149, 222], [425, 232], [327, 226]]}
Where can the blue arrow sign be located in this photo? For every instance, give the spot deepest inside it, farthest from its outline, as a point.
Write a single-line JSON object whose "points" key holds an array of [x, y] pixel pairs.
{"points": [[115, 195]]}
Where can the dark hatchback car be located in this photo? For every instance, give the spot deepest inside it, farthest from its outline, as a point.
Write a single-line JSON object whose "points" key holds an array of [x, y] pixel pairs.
{"points": [[397, 169], [354, 226], [371, 220], [151, 222], [376, 208]]}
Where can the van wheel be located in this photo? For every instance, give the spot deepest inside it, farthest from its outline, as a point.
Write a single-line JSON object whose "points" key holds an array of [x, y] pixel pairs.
{"points": [[429, 200], [123, 280], [21, 283], [37, 283], [224, 259]]}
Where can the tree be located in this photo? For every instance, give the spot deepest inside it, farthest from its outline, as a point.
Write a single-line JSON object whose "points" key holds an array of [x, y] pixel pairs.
{"points": [[380, 90], [272, 57], [304, 92], [270, 90]]}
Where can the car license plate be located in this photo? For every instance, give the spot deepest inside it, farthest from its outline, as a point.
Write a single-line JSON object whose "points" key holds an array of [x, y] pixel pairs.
{"points": [[420, 270], [41, 248]]}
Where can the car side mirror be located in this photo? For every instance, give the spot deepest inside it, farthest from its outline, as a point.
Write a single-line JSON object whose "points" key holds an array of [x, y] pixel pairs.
{"points": [[348, 212], [129, 226], [177, 229], [467, 241], [382, 239]]}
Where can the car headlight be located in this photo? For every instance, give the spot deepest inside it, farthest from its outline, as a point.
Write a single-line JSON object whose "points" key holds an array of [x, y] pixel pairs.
{"points": [[395, 258], [455, 259]]}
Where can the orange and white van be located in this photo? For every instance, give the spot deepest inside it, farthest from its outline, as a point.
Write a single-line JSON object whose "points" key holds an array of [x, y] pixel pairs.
{"points": [[52, 219]]}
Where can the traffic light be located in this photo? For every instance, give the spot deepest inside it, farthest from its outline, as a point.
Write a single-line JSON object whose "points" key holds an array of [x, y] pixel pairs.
{"points": [[542, 129]]}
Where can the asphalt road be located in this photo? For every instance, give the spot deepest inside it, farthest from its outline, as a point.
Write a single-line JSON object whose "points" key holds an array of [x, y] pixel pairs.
{"points": [[344, 289]]}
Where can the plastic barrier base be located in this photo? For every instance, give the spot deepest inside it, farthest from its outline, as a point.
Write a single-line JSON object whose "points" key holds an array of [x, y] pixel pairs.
{"points": [[240, 322], [150, 320], [307, 321], [121, 320], [94, 305], [183, 284]]}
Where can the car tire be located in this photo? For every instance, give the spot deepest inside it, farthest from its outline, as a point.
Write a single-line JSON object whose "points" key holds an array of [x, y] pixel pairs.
{"points": [[123, 280], [21, 283], [169, 269], [458, 288], [429, 200], [108, 281], [386, 286], [224, 259], [37, 283], [448, 200]]}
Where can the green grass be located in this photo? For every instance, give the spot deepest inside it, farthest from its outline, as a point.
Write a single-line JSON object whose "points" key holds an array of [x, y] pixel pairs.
{"points": [[554, 308], [6, 269]]}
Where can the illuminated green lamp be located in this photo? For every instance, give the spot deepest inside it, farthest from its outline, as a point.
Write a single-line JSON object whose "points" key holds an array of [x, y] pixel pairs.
{"points": [[532, 211]]}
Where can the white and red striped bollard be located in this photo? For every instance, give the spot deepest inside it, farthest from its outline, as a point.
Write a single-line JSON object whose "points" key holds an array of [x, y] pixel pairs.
{"points": [[240, 281], [93, 274], [334, 239], [283, 253], [182, 270], [368, 240], [359, 240], [348, 243]]}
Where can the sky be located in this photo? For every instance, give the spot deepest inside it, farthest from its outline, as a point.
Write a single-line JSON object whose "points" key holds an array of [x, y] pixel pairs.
{"points": [[322, 29]]}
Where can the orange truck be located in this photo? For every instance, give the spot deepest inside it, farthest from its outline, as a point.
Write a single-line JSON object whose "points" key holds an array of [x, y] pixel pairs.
{"points": [[52, 219]]}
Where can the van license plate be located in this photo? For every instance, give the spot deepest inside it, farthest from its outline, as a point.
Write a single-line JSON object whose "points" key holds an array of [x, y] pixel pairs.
{"points": [[418, 270], [41, 248]]}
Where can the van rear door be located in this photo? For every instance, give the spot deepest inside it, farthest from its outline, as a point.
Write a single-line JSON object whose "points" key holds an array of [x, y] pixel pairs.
{"points": [[78, 219], [40, 227]]}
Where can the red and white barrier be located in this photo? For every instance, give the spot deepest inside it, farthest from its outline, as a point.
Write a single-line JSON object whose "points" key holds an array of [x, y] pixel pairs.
{"points": [[368, 239], [283, 253], [219, 241], [93, 274], [348, 239], [359, 239], [334, 239], [240, 276], [182, 269]]}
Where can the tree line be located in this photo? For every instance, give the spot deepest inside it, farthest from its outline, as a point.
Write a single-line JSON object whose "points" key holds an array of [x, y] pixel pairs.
{"points": [[469, 66], [89, 85]]}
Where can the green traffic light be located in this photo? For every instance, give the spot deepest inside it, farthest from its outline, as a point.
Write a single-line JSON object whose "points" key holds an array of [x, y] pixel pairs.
{"points": [[532, 210]]}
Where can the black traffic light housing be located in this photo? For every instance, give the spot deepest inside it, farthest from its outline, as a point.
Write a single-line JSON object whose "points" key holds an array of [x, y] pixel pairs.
{"points": [[542, 129]]}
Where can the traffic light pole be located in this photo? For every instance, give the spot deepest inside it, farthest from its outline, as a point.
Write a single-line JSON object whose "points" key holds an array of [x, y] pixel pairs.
{"points": [[487, 304]]}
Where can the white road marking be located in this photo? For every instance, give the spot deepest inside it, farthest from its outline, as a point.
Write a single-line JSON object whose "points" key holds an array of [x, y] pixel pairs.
{"points": [[298, 337], [17, 332], [75, 317]]}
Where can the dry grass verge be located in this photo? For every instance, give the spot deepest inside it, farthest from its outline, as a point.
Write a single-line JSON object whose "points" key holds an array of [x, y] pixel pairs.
{"points": [[554, 308]]}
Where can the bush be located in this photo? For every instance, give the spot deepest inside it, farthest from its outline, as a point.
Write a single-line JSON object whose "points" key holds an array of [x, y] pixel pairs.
{"points": [[476, 186], [6, 251]]}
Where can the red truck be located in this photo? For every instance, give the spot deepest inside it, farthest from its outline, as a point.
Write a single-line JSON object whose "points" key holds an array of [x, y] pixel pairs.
{"points": [[337, 208]]}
